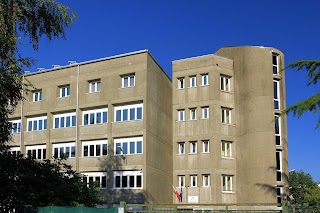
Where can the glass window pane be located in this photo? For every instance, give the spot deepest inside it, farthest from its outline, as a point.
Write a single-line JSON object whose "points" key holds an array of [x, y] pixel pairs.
{"points": [[91, 150], [98, 149], [132, 147], [61, 151], [139, 113], [139, 147], [56, 152], [40, 124], [68, 91], [68, 121], [44, 153], [91, 118], [125, 148], [104, 182], [132, 81], [131, 181], [118, 115], [98, 117], [67, 153], [92, 87], [39, 153], [34, 153], [124, 181], [45, 124], [118, 148], [98, 86], [139, 182], [30, 126], [132, 114], [105, 117], [125, 115], [62, 122], [104, 149], [85, 119], [35, 123], [85, 150], [125, 82], [73, 120], [117, 184], [73, 151]]}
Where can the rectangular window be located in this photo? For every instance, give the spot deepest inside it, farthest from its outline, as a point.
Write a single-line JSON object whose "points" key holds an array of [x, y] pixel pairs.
{"points": [[67, 150], [225, 83], [99, 177], [128, 81], [193, 180], [193, 81], [36, 152], [279, 194], [64, 120], [204, 79], [181, 148], [15, 151], [226, 115], [128, 146], [193, 114], [94, 148], [128, 112], [182, 181], [205, 146], [275, 63], [226, 151], [15, 127], [64, 91], [205, 112], [205, 180], [180, 83], [227, 183], [276, 94], [128, 179], [37, 95], [94, 86], [96, 116], [193, 147], [279, 165], [37, 123], [181, 115], [277, 124]]}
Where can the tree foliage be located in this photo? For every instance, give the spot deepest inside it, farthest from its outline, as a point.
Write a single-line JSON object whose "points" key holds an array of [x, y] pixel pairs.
{"points": [[28, 183], [312, 103]]}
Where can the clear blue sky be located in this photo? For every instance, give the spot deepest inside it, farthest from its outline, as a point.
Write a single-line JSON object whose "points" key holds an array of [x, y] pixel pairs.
{"points": [[180, 29]]}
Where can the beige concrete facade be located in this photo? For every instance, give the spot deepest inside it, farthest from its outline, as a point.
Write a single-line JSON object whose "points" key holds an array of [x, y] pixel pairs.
{"points": [[209, 132]]}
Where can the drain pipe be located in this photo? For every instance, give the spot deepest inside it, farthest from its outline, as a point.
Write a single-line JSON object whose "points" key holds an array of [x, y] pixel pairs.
{"points": [[77, 121]]}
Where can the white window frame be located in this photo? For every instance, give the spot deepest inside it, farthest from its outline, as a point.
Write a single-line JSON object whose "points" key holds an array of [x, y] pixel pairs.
{"points": [[122, 146], [128, 108], [64, 91], [279, 170], [193, 147], [193, 181], [225, 83], [227, 183], [181, 115], [127, 174], [95, 144], [276, 85], [181, 180], [226, 115], [15, 150], [193, 114], [37, 95], [94, 86], [102, 176], [181, 83], [193, 81], [205, 146], [181, 148], [15, 126], [204, 79], [94, 113], [131, 83], [275, 66], [277, 120], [44, 123], [226, 149], [205, 112], [37, 148], [65, 117], [206, 180], [64, 146]]}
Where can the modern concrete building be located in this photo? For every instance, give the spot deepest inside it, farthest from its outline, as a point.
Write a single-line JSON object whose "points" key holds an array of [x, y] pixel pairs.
{"points": [[210, 132]]}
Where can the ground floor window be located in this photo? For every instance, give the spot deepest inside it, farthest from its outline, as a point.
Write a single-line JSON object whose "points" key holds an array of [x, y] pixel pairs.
{"points": [[91, 177]]}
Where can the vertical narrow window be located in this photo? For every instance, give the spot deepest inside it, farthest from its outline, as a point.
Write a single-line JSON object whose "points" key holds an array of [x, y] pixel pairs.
{"points": [[193, 180], [193, 114], [193, 147], [94, 86], [226, 151], [181, 181], [193, 81], [181, 148], [226, 115], [205, 112], [180, 83], [225, 83], [205, 180], [277, 124], [279, 194], [275, 63], [205, 146], [204, 79], [128, 81], [276, 93], [181, 115], [279, 165], [226, 183], [37, 95]]}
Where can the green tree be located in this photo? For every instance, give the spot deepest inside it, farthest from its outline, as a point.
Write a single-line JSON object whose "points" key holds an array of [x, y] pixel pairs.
{"points": [[300, 183], [312, 197], [312, 103]]}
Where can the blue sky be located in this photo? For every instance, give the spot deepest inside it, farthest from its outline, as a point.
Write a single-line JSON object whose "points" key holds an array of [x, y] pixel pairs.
{"points": [[179, 29]]}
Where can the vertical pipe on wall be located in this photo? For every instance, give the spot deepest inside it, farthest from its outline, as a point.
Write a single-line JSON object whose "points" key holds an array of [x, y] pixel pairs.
{"points": [[77, 119]]}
